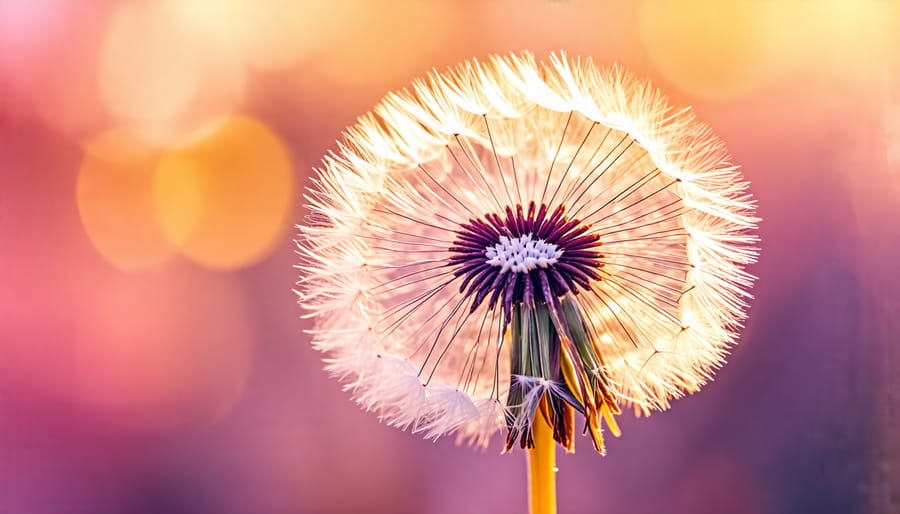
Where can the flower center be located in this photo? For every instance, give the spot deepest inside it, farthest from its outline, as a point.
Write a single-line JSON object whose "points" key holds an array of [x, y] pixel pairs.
{"points": [[530, 257], [522, 254], [532, 264]]}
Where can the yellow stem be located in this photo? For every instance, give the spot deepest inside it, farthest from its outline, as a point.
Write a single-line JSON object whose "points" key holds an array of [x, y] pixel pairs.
{"points": [[542, 468]]}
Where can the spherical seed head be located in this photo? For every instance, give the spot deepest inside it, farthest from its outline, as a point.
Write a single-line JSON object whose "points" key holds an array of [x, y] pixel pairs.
{"points": [[511, 232]]}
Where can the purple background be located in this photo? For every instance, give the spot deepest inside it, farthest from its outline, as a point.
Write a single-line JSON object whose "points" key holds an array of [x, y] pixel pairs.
{"points": [[180, 387]]}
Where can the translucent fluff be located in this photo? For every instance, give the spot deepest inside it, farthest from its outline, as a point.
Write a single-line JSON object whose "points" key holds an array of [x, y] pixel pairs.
{"points": [[425, 282]]}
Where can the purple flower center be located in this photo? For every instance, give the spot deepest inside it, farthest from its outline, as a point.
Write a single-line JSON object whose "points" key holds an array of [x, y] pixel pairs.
{"points": [[529, 258]]}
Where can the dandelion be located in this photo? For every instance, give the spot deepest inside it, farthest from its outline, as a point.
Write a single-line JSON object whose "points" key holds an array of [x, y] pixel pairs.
{"points": [[512, 244]]}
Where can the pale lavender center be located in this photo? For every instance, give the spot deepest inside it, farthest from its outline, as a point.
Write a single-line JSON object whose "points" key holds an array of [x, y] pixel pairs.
{"points": [[522, 254]]}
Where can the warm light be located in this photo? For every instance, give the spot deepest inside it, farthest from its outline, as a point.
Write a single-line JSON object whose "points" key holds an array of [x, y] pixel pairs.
{"points": [[158, 72], [266, 34], [147, 69], [224, 197], [417, 31], [599, 29], [115, 201], [725, 50], [892, 119], [714, 50], [847, 40]]}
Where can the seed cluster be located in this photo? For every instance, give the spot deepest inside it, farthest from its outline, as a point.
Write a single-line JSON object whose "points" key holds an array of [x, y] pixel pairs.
{"points": [[525, 257], [522, 254]]}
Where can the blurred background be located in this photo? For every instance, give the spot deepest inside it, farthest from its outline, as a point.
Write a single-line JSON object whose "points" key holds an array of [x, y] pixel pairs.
{"points": [[153, 155]]}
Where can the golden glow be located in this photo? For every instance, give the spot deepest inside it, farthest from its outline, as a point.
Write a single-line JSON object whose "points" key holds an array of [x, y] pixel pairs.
{"points": [[892, 120], [156, 71], [713, 49], [147, 71], [402, 28], [115, 201], [224, 197], [267, 34], [725, 50], [592, 27]]}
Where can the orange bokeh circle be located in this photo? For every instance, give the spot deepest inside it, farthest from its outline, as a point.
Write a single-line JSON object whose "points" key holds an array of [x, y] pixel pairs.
{"points": [[224, 197], [114, 191]]}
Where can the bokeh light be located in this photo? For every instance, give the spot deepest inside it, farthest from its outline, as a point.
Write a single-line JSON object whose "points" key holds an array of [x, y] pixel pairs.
{"points": [[713, 50], [116, 202], [891, 109], [225, 196], [602, 29], [158, 73], [48, 54], [726, 50], [410, 36], [267, 34], [147, 71], [27, 27], [841, 40]]}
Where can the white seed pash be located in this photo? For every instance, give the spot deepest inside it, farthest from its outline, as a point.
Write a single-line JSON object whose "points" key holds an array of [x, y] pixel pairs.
{"points": [[417, 314], [522, 254]]}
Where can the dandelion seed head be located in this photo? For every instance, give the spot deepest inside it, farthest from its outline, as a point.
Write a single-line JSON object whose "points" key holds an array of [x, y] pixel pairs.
{"points": [[512, 238]]}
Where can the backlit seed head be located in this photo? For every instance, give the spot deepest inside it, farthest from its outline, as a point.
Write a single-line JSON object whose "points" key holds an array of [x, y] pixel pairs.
{"points": [[511, 239]]}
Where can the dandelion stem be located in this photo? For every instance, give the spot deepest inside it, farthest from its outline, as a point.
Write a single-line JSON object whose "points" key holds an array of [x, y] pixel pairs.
{"points": [[542, 468]]}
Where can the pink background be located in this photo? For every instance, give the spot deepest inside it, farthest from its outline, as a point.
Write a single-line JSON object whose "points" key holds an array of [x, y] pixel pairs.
{"points": [[147, 369]]}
